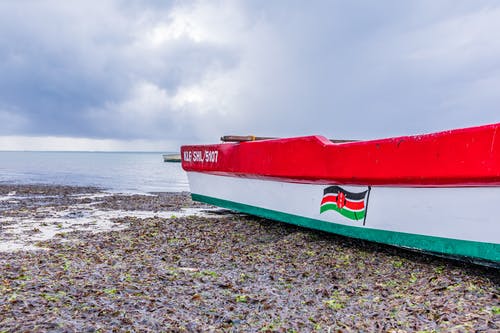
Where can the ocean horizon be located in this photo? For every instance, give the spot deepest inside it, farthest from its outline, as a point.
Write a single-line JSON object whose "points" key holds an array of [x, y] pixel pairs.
{"points": [[116, 171]]}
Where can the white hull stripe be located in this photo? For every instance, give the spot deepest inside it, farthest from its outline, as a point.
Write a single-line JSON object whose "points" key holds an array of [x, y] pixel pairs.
{"points": [[452, 221]]}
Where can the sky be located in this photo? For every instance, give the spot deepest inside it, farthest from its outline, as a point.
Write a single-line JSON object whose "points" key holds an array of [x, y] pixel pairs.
{"points": [[152, 75]]}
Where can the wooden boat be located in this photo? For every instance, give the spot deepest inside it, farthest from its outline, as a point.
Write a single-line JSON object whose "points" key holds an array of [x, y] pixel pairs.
{"points": [[438, 193]]}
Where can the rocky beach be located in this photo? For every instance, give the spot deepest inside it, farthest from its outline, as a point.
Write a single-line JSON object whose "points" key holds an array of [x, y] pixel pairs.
{"points": [[79, 259]]}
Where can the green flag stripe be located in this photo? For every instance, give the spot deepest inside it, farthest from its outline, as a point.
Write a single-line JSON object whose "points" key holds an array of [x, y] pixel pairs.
{"points": [[359, 215]]}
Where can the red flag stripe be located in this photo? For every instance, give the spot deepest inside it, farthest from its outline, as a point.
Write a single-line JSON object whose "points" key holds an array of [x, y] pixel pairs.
{"points": [[352, 205], [335, 196], [329, 198]]}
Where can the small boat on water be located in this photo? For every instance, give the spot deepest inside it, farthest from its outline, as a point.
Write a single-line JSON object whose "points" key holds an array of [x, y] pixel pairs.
{"points": [[438, 193], [174, 158]]}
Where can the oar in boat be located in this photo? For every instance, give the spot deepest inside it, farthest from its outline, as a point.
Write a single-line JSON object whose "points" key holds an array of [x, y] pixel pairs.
{"points": [[245, 138]]}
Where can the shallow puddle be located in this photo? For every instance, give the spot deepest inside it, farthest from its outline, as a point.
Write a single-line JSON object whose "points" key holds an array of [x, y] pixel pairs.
{"points": [[44, 223]]}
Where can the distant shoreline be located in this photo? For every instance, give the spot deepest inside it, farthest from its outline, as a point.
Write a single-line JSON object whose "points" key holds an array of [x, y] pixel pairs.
{"points": [[89, 151], [117, 171]]}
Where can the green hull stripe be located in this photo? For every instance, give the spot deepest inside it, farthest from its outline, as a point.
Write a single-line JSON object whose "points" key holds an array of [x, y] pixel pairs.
{"points": [[447, 246], [359, 215]]}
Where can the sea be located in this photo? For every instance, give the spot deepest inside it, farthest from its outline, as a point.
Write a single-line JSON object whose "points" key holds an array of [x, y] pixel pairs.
{"points": [[125, 172]]}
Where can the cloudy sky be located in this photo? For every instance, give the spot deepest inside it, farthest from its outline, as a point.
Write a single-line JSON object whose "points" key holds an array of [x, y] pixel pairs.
{"points": [[151, 75]]}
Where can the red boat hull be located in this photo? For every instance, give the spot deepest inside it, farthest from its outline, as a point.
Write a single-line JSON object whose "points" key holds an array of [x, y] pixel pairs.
{"points": [[463, 157]]}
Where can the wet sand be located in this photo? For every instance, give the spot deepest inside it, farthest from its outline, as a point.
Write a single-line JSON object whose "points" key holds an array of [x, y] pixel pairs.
{"points": [[78, 259]]}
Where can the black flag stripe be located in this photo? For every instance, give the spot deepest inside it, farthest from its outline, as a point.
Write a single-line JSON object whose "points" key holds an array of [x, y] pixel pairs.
{"points": [[349, 195]]}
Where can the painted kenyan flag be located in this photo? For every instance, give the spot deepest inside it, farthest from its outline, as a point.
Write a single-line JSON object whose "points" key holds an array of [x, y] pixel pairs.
{"points": [[349, 204]]}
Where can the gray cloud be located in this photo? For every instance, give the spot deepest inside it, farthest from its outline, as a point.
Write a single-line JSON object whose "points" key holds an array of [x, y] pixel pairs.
{"points": [[191, 71], [371, 71]]}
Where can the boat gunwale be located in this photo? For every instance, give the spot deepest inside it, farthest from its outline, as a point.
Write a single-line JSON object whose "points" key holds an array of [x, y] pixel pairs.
{"points": [[462, 157]]}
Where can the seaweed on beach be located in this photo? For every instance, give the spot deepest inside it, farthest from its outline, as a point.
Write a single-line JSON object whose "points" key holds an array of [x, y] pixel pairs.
{"points": [[233, 272]]}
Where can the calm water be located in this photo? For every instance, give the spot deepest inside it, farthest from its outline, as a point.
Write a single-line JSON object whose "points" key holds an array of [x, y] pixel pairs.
{"points": [[124, 172]]}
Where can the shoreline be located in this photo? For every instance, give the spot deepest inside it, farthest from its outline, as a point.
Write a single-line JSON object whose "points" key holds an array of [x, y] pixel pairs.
{"points": [[155, 268]]}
